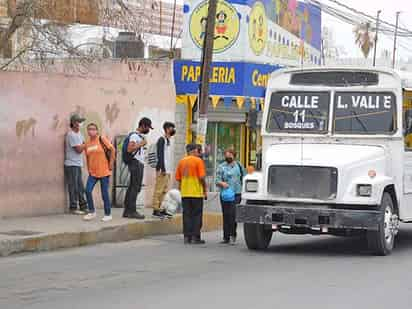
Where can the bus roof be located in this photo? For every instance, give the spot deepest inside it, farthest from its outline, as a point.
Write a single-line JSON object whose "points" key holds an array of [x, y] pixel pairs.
{"points": [[404, 77]]}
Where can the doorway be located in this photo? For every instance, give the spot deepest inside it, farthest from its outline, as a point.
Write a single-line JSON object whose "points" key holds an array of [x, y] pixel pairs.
{"points": [[221, 136]]}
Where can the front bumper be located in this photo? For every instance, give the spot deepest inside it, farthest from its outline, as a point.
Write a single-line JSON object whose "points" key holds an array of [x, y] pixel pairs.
{"points": [[308, 216]]}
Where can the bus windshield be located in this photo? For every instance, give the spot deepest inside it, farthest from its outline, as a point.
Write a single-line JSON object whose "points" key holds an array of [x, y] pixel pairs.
{"points": [[364, 113], [300, 112]]}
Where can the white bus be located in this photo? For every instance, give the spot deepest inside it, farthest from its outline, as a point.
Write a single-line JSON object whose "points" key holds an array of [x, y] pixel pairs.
{"points": [[336, 158]]}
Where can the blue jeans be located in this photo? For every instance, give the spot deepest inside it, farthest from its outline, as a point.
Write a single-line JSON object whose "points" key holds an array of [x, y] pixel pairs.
{"points": [[104, 186]]}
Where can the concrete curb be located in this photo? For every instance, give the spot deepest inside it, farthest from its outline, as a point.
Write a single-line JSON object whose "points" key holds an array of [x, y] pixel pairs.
{"points": [[118, 233]]}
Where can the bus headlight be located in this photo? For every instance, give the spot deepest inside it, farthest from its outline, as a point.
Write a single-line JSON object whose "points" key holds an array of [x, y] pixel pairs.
{"points": [[251, 186], [364, 190]]}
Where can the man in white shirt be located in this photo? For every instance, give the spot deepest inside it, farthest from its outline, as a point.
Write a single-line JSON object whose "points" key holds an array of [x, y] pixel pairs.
{"points": [[136, 145], [164, 169]]}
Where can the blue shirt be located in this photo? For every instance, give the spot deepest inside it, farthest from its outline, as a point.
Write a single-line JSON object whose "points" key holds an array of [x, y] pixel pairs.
{"points": [[231, 174]]}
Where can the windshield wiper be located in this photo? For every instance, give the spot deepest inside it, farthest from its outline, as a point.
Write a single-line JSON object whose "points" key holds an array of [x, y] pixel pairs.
{"points": [[365, 129], [276, 120], [315, 118]]}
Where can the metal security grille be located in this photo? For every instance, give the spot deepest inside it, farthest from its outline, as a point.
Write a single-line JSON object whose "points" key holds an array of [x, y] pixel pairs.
{"points": [[308, 182]]}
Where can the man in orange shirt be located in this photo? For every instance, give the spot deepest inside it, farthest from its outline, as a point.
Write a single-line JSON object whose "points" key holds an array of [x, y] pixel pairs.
{"points": [[100, 155], [191, 173]]}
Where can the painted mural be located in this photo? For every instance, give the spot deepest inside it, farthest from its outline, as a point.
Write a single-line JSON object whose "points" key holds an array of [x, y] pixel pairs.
{"points": [[263, 31]]}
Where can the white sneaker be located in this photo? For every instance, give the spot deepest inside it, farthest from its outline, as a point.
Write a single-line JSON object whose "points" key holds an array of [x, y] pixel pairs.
{"points": [[107, 218], [89, 216]]}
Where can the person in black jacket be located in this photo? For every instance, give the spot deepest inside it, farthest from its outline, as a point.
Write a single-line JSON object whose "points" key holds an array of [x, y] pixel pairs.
{"points": [[164, 168]]}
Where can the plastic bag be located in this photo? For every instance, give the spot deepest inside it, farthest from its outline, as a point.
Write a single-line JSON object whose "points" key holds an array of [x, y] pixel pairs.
{"points": [[172, 201]]}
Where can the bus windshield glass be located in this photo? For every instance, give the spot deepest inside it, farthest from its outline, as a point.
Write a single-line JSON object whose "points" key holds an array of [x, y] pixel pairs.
{"points": [[300, 112], [365, 113]]}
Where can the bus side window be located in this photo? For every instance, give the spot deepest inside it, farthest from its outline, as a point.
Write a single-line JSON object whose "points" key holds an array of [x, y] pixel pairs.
{"points": [[408, 131], [407, 123]]}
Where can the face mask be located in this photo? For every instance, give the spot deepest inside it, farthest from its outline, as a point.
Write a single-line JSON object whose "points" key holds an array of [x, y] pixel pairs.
{"points": [[172, 132], [229, 160]]}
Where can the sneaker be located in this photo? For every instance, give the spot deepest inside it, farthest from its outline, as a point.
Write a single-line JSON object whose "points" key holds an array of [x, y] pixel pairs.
{"points": [[77, 212], [166, 214], [224, 242], [107, 218], [232, 240], [157, 214], [89, 216], [187, 240]]}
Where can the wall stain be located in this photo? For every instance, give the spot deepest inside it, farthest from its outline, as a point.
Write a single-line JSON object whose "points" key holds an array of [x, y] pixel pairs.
{"points": [[58, 124], [106, 91], [112, 112], [80, 110], [23, 127], [122, 91]]}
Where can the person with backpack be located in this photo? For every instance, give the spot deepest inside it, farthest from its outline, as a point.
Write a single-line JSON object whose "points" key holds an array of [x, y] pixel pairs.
{"points": [[164, 168], [100, 157], [134, 157], [229, 178]]}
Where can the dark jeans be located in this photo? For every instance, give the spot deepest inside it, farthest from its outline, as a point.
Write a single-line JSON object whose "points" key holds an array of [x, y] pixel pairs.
{"points": [[229, 217], [104, 188], [192, 216], [136, 169], [74, 181]]}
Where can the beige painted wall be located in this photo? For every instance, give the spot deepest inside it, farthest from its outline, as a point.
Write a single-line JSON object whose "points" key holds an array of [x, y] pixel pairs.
{"points": [[34, 112]]}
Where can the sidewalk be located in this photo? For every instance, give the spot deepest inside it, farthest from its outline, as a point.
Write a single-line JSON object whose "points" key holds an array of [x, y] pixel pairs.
{"points": [[65, 231]]}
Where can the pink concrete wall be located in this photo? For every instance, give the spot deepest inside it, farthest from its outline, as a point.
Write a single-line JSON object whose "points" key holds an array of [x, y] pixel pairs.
{"points": [[34, 112]]}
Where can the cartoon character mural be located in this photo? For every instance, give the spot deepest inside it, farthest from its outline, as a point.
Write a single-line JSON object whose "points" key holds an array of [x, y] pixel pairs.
{"points": [[258, 28], [221, 26], [294, 17], [203, 23], [227, 25]]}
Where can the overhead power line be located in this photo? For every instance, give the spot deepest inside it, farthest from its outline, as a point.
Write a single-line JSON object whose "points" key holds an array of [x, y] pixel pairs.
{"points": [[400, 29], [354, 17]]}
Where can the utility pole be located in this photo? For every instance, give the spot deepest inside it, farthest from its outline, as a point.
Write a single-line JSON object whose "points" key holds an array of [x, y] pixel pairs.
{"points": [[394, 40], [207, 55], [173, 29], [376, 37]]}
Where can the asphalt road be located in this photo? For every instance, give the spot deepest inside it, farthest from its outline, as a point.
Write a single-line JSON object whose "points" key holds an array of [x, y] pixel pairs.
{"points": [[161, 272]]}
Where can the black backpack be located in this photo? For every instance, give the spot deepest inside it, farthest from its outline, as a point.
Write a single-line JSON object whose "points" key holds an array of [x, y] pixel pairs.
{"points": [[128, 157]]}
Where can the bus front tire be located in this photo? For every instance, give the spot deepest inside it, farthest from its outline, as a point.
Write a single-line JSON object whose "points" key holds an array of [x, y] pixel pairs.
{"points": [[381, 242], [256, 236]]}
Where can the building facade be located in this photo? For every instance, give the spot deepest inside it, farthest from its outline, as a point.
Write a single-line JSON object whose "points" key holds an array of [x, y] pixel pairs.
{"points": [[35, 108], [252, 39]]}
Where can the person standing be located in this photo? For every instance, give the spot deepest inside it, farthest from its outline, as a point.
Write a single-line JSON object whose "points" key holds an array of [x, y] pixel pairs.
{"points": [[164, 169], [136, 145], [73, 163], [191, 174], [229, 176], [100, 155]]}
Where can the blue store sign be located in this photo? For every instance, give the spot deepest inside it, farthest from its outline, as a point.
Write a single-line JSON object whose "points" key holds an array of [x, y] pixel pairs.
{"points": [[227, 79]]}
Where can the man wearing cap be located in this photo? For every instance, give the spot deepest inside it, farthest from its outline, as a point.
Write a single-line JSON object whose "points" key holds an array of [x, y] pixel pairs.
{"points": [[73, 163], [136, 145]]}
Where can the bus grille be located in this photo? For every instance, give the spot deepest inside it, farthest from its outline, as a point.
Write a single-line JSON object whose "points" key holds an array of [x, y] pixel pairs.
{"points": [[307, 182]]}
